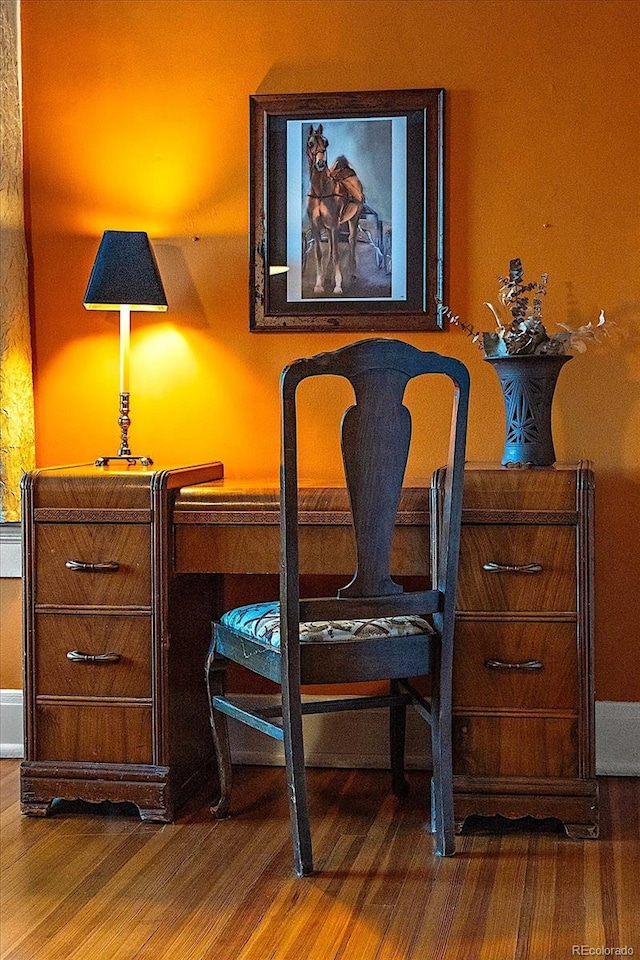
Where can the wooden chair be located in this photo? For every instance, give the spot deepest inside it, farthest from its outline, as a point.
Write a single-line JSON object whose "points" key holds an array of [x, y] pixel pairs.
{"points": [[372, 630]]}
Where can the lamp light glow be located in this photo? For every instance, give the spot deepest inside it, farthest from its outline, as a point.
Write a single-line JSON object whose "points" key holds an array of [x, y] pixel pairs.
{"points": [[125, 277]]}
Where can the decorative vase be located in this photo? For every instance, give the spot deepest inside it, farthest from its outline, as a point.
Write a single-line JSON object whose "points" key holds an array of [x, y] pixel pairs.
{"points": [[528, 384]]}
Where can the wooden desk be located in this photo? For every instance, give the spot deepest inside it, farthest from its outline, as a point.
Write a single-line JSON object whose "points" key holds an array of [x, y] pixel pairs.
{"points": [[523, 738]]}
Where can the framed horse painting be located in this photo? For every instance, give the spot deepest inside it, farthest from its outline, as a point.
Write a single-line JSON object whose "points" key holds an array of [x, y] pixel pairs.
{"points": [[346, 211]]}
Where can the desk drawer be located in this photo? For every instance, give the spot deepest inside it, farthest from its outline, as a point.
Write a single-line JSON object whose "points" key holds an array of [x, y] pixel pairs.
{"points": [[513, 567], [515, 665], [515, 746], [94, 732], [127, 637], [124, 550]]}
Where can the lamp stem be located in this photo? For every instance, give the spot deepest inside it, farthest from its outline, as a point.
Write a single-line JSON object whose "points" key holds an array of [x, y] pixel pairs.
{"points": [[124, 421], [125, 343]]}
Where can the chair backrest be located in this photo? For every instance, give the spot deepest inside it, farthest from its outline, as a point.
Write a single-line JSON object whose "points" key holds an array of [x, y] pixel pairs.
{"points": [[376, 435]]}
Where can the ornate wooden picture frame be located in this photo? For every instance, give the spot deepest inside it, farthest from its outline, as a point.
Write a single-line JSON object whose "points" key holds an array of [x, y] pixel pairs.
{"points": [[346, 211]]}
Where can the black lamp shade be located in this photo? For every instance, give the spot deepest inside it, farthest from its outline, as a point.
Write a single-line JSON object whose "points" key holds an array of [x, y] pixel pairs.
{"points": [[125, 273]]}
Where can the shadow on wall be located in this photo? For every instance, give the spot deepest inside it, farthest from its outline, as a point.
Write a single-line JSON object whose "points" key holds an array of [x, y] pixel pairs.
{"points": [[605, 393], [604, 390]]}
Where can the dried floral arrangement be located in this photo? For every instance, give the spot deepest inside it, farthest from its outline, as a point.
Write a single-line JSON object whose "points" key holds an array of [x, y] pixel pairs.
{"points": [[525, 334]]}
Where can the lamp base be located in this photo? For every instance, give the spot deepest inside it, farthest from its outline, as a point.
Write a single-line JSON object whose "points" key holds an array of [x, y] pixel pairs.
{"points": [[143, 461], [124, 453]]}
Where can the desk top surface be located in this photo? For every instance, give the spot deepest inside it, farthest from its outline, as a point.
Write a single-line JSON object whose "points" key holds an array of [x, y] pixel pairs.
{"points": [[246, 501], [488, 487], [200, 498]]}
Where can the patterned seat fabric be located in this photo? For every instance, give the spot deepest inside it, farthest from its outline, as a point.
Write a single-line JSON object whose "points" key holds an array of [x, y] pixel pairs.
{"points": [[260, 622]]}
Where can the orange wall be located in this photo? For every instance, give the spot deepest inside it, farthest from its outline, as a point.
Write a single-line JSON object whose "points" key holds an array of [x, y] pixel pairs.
{"points": [[136, 116]]}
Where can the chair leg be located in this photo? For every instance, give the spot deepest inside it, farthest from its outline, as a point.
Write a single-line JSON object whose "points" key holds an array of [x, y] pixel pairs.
{"points": [[297, 790], [442, 815], [397, 735], [442, 797], [215, 672]]}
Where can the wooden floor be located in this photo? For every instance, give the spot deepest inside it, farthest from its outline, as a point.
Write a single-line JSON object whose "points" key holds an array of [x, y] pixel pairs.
{"points": [[82, 885]]}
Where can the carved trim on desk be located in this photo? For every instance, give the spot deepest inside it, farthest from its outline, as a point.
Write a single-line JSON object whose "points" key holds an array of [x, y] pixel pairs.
{"points": [[83, 770], [585, 497], [341, 518], [537, 713], [525, 786], [71, 515], [86, 701], [92, 611], [517, 616], [538, 517]]}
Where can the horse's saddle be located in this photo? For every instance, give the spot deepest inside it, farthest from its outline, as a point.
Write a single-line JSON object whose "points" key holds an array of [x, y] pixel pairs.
{"points": [[348, 188]]}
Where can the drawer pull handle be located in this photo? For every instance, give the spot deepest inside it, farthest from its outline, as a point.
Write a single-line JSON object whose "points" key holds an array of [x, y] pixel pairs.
{"points": [[78, 566], [527, 666], [77, 656], [490, 567]]}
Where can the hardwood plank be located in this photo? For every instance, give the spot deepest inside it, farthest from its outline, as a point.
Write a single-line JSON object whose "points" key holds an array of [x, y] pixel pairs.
{"points": [[9, 784], [86, 884], [506, 896], [620, 861]]}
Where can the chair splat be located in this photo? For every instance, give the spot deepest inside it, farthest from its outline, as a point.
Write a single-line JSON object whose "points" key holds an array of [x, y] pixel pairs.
{"points": [[376, 434]]}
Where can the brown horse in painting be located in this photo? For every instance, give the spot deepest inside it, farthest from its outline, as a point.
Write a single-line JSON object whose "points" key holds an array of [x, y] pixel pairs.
{"points": [[335, 197]]}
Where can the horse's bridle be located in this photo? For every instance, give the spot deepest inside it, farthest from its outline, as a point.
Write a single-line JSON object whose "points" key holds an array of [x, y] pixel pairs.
{"points": [[314, 141], [317, 144]]}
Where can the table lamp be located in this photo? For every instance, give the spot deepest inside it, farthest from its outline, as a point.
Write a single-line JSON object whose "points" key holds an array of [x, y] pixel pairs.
{"points": [[125, 277]]}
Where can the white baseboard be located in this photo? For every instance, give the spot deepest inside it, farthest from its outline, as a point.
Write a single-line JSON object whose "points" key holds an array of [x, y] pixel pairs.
{"points": [[617, 738], [10, 550], [11, 724]]}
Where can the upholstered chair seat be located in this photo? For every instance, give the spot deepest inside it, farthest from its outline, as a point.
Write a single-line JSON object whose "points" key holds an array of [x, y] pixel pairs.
{"points": [[260, 622]]}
